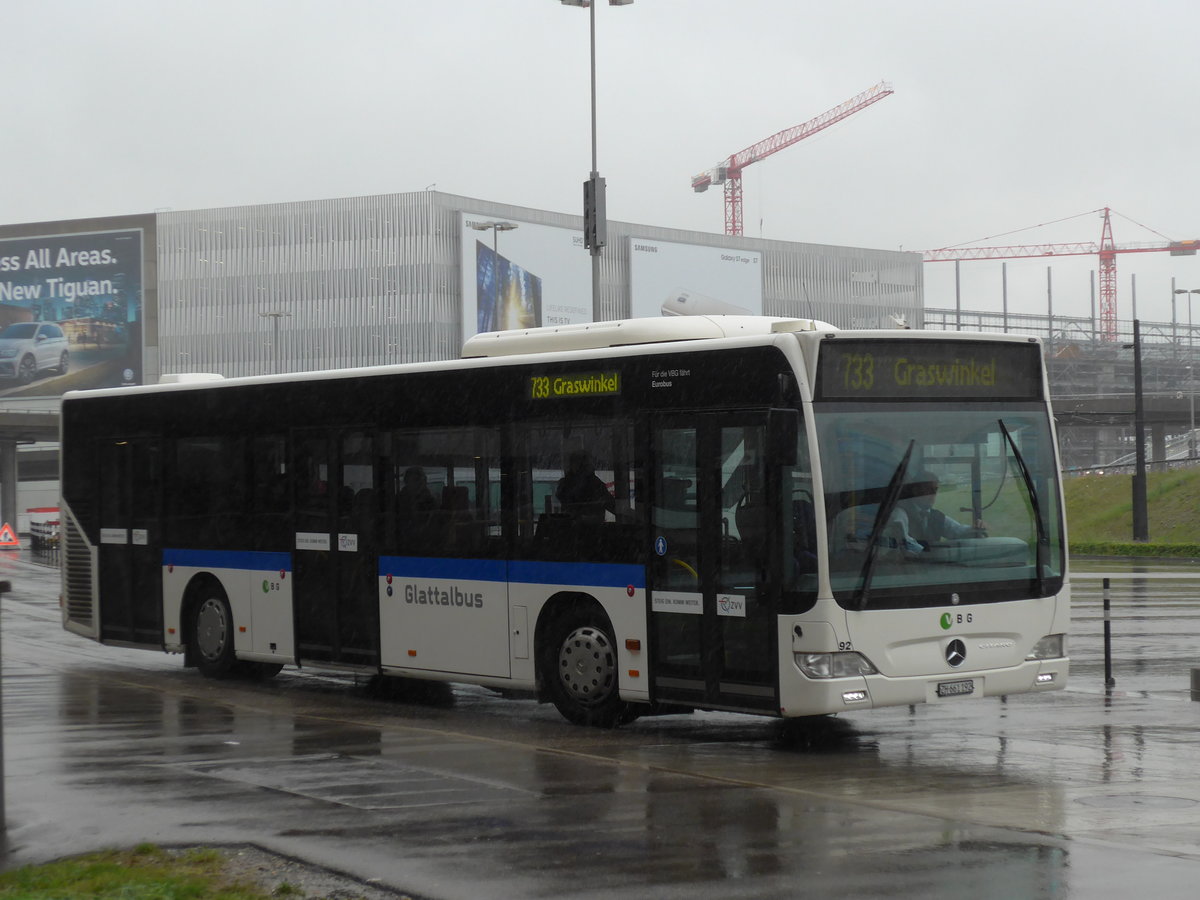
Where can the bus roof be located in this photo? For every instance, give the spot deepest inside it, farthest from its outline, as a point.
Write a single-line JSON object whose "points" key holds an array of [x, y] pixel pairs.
{"points": [[627, 332]]}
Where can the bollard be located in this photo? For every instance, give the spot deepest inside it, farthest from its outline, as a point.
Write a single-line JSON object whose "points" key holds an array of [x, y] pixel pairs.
{"points": [[1109, 681]]}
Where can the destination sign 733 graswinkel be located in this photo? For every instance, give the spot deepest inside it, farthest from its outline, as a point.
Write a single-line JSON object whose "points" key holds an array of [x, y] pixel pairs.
{"points": [[579, 384], [872, 369]]}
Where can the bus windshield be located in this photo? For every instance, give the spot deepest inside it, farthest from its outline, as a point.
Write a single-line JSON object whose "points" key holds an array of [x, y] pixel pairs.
{"points": [[931, 504]]}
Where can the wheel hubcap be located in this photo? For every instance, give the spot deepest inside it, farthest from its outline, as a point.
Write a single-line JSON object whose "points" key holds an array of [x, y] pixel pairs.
{"points": [[211, 629], [587, 666]]}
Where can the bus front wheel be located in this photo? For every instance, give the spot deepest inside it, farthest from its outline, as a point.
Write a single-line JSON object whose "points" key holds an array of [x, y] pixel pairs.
{"points": [[213, 634], [579, 669]]}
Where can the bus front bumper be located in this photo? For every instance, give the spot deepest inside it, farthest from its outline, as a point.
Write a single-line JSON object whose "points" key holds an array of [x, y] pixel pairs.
{"points": [[803, 696]]}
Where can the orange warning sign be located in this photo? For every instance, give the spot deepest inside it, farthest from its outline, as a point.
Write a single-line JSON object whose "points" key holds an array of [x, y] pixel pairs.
{"points": [[8, 539]]}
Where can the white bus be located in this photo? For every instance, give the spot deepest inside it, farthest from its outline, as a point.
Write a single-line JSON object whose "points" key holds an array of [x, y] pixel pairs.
{"points": [[753, 546]]}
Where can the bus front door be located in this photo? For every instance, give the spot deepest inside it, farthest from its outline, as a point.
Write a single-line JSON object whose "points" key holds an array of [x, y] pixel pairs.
{"points": [[129, 475], [335, 594], [712, 613]]}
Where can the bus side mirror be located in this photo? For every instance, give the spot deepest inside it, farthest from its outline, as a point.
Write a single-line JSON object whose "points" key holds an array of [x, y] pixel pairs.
{"points": [[783, 434]]}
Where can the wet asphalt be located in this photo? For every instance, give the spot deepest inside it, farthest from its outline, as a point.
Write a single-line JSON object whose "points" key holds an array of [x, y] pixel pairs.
{"points": [[1092, 792]]}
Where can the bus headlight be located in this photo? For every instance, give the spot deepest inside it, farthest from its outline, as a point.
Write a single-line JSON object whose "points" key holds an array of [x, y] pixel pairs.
{"points": [[1052, 646], [834, 665]]}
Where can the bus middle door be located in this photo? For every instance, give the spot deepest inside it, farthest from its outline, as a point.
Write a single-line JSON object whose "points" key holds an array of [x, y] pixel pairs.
{"points": [[337, 517], [712, 610]]}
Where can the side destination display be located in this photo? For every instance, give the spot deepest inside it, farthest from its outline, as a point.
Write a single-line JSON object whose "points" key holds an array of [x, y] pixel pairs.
{"points": [[585, 384], [866, 369]]}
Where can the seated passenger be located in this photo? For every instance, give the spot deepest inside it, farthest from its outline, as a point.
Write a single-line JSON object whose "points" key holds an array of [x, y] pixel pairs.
{"points": [[580, 492], [415, 497]]}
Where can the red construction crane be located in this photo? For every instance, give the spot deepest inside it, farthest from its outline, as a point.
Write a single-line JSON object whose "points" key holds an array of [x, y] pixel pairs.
{"points": [[729, 172], [1106, 250]]}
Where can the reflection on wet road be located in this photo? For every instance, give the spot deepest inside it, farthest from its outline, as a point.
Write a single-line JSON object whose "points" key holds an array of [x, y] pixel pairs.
{"points": [[1155, 627], [1083, 793]]}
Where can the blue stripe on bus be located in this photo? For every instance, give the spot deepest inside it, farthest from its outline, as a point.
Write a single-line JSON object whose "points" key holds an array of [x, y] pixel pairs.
{"points": [[520, 572], [585, 574], [252, 560]]}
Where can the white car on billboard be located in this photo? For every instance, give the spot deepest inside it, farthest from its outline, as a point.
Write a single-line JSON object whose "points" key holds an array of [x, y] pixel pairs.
{"points": [[29, 348]]}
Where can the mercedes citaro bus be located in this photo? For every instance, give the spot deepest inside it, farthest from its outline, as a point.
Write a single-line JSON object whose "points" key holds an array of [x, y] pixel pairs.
{"points": [[747, 541]]}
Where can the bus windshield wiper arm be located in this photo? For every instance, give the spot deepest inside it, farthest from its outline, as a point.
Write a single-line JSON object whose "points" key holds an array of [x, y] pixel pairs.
{"points": [[886, 506], [1043, 540]]}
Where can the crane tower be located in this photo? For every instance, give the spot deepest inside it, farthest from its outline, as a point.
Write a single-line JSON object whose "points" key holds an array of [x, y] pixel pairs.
{"points": [[729, 171], [1106, 250]]}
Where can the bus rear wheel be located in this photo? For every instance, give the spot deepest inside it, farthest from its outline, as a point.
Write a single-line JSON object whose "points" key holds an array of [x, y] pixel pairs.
{"points": [[213, 634], [579, 670]]}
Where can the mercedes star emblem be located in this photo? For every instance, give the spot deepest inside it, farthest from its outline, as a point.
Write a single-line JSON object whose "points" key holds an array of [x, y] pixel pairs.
{"points": [[956, 653]]}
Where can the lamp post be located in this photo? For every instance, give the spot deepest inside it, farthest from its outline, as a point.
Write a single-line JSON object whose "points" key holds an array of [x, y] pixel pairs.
{"points": [[1191, 412], [1191, 373], [275, 317], [495, 228], [1141, 523], [595, 223]]}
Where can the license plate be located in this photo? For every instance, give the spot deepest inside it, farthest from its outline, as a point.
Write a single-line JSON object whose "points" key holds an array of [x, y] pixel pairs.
{"points": [[956, 688]]}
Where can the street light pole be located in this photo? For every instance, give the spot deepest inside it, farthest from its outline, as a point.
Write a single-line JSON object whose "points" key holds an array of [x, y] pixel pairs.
{"points": [[595, 216], [1190, 293], [275, 317], [1191, 412], [1141, 522], [495, 228]]}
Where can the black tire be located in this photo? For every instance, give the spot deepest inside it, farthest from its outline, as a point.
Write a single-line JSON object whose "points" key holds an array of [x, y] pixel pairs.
{"points": [[212, 634], [64, 362], [580, 670], [27, 370]]}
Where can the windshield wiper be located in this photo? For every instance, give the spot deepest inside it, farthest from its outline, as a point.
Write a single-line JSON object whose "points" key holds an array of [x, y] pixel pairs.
{"points": [[886, 506], [1043, 540]]}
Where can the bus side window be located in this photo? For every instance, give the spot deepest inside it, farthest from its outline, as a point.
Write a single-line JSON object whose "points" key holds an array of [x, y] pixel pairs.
{"points": [[442, 488], [270, 504], [311, 480], [209, 474], [800, 523], [576, 497], [357, 505]]}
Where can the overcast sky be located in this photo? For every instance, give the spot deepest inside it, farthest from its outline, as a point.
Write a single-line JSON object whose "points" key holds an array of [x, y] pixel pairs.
{"points": [[1004, 116]]}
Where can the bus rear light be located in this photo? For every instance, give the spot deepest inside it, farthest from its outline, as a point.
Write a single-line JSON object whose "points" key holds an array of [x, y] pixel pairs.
{"points": [[1052, 646], [854, 696], [834, 665], [634, 673]]}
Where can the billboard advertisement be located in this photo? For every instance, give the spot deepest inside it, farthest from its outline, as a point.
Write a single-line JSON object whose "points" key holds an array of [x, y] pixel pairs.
{"points": [[522, 275], [669, 279], [70, 312]]}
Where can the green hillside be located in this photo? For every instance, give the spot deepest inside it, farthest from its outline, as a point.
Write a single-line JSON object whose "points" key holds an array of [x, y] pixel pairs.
{"points": [[1100, 514]]}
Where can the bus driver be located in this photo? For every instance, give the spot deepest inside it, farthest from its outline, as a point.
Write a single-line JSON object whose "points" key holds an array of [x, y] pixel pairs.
{"points": [[923, 525]]}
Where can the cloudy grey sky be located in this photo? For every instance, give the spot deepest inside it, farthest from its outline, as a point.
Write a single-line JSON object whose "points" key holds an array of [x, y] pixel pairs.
{"points": [[1004, 116]]}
